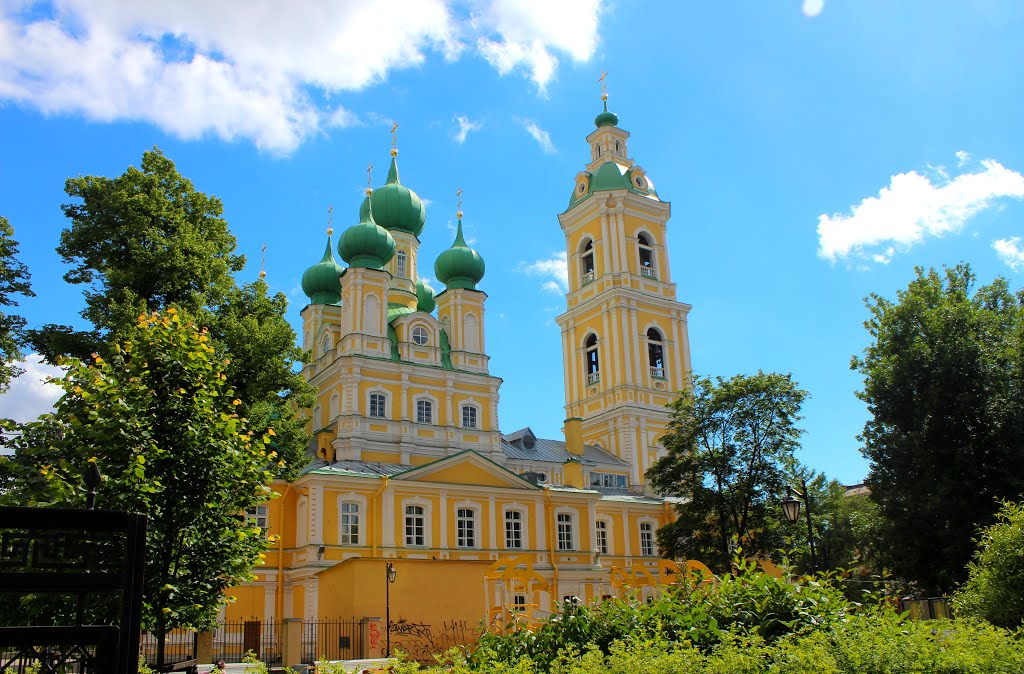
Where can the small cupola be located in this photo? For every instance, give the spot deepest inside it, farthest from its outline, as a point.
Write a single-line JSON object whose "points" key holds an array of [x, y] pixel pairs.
{"points": [[460, 266], [367, 244], [321, 282]]}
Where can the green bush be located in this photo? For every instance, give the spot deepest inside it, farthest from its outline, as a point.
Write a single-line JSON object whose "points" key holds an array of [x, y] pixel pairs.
{"points": [[750, 623], [994, 590]]}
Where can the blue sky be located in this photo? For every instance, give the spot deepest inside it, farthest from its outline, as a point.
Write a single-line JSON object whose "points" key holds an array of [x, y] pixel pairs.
{"points": [[813, 152]]}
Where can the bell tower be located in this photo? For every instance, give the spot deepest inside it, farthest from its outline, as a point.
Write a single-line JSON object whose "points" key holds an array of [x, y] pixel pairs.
{"points": [[625, 347]]}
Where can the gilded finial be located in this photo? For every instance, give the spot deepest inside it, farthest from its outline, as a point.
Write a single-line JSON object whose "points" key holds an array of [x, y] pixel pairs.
{"points": [[263, 262], [330, 217], [458, 213], [604, 89], [394, 139], [369, 178]]}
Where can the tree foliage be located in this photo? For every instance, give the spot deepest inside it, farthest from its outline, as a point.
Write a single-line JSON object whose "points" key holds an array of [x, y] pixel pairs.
{"points": [[147, 241], [14, 280], [994, 590], [944, 384], [162, 422], [728, 444]]}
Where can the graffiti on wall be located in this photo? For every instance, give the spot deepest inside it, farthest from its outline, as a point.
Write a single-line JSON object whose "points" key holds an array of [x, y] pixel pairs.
{"points": [[421, 641]]}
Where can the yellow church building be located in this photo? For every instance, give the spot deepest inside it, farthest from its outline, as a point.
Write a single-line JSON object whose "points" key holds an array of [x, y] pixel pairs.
{"points": [[412, 469]]}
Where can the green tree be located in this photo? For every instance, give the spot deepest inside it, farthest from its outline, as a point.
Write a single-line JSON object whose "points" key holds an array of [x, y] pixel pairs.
{"points": [[161, 420], [727, 447], [845, 528], [14, 280], [944, 384], [146, 241], [994, 590]]}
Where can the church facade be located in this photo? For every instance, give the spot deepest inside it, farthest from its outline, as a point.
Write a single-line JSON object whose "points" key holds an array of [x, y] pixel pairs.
{"points": [[412, 468]]}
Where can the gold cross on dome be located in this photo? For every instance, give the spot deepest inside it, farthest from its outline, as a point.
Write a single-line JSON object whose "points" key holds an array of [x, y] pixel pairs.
{"points": [[263, 261], [604, 90], [394, 134], [369, 179], [330, 217], [458, 193]]}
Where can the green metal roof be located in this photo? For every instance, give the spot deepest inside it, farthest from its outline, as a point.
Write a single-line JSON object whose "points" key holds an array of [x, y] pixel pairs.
{"points": [[321, 281], [367, 244], [460, 266], [396, 207]]}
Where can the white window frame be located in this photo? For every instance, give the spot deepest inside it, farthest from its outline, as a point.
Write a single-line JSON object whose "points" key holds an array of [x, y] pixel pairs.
{"points": [[521, 521], [650, 550], [427, 515], [424, 331], [345, 538], [475, 416], [430, 410], [325, 344], [472, 540], [519, 602], [258, 516], [607, 548], [570, 526], [401, 264], [369, 403]]}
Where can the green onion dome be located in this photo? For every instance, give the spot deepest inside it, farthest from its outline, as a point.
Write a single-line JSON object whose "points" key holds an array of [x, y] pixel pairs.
{"points": [[424, 297], [396, 207], [460, 266], [606, 118], [366, 244], [320, 282]]}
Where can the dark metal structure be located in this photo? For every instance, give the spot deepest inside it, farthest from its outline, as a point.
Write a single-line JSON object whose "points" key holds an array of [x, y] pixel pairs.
{"points": [[79, 554]]}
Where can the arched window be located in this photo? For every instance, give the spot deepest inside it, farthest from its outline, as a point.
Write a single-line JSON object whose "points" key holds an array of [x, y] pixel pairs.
{"points": [[325, 345], [424, 412], [646, 255], [592, 363], [378, 405], [617, 149], [655, 354], [400, 264], [469, 416], [587, 261]]}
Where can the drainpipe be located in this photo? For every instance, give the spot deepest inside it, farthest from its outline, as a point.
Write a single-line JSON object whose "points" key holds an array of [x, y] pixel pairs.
{"points": [[549, 513], [279, 604], [380, 511]]}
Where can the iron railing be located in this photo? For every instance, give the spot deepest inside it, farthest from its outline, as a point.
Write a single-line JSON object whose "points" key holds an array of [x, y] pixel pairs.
{"points": [[337, 639]]}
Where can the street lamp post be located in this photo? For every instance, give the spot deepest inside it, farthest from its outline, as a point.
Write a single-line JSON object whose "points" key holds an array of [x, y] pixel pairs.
{"points": [[791, 508], [391, 575]]}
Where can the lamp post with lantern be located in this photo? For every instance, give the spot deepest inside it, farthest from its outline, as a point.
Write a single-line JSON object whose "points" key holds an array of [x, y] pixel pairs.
{"points": [[391, 573], [791, 509]]}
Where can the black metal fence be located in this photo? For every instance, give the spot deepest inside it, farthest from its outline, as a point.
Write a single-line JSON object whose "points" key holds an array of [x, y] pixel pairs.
{"points": [[179, 645], [337, 639], [233, 639]]}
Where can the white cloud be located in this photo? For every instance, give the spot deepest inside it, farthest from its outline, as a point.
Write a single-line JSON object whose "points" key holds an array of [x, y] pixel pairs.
{"points": [[1010, 251], [813, 7], [553, 272], [527, 33], [466, 125], [29, 394], [912, 208], [542, 137], [264, 71]]}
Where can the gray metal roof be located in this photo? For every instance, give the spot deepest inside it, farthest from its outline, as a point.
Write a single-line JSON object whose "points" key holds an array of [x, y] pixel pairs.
{"points": [[554, 451], [356, 467]]}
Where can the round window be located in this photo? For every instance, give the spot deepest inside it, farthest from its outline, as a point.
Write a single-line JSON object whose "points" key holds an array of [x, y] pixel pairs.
{"points": [[420, 335]]}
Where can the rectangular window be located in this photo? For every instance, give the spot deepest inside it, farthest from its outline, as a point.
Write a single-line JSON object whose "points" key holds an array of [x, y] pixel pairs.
{"points": [[647, 539], [565, 533], [465, 524], [257, 517], [424, 412], [468, 416], [519, 602], [349, 523], [415, 531], [602, 536], [513, 529], [378, 405], [400, 264], [608, 480]]}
